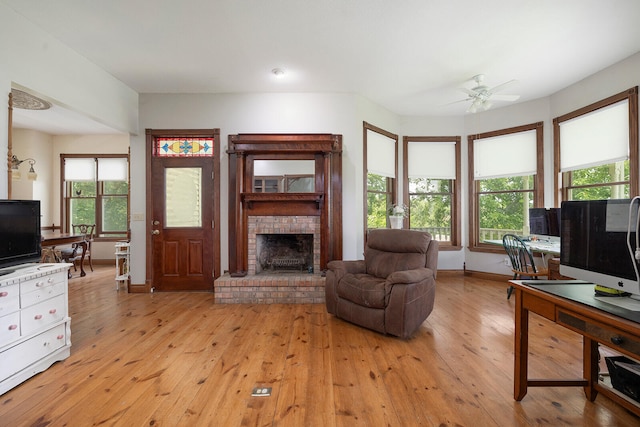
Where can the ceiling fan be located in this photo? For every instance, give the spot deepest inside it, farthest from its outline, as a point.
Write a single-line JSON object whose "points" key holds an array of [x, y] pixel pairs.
{"points": [[481, 96]]}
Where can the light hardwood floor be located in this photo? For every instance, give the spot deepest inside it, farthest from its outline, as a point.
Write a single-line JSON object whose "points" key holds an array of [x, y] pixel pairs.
{"points": [[178, 359]]}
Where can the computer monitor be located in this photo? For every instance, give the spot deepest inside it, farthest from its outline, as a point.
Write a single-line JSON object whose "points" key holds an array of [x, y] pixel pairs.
{"points": [[544, 222], [598, 243]]}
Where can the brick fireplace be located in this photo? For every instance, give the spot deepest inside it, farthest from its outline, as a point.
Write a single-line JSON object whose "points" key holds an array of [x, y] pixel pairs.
{"points": [[282, 225], [253, 215]]}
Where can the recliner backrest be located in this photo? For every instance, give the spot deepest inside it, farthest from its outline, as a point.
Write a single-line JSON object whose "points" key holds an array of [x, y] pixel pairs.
{"points": [[390, 250]]}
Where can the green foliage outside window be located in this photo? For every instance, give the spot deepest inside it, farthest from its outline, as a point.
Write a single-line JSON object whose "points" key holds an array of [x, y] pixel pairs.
{"points": [[86, 197], [430, 205], [503, 204], [378, 200], [588, 178]]}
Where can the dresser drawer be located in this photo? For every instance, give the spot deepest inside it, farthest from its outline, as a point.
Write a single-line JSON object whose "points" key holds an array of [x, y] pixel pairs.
{"points": [[597, 331], [9, 299], [42, 314], [41, 294], [28, 352], [40, 282], [9, 328]]}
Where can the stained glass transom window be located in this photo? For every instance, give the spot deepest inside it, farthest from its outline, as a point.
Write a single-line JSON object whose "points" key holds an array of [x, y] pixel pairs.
{"points": [[184, 147]]}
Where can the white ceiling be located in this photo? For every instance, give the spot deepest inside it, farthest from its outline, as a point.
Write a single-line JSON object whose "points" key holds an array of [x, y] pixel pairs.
{"points": [[410, 56]]}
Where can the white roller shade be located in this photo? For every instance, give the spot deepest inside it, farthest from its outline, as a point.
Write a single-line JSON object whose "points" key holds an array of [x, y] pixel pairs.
{"points": [[598, 138], [506, 155], [82, 169], [112, 169], [381, 154], [433, 160]]}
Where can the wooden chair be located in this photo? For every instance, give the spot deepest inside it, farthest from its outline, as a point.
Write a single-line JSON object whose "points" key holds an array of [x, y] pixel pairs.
{"points": [[522, 261], [88, 231]]}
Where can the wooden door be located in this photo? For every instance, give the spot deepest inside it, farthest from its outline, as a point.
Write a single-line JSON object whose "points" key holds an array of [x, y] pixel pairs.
{"points": [[182, 223]]}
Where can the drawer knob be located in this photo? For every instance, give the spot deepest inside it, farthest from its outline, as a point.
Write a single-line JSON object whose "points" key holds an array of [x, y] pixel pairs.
{"points": [[60, 336], [13, 327], [617, 340], [38, 316], [52, 311], [4, 294], [39, 284]]}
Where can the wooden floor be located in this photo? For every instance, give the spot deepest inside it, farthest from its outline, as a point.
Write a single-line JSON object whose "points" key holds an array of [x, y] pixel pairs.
{"points": [[178, 359]]}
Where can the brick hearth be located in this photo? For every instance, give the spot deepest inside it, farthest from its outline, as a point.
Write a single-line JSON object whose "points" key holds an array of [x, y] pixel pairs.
{"points": [[270, 289]]}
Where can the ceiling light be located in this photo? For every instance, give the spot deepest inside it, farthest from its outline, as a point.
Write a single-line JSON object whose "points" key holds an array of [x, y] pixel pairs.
{"points": [[278, 72]]}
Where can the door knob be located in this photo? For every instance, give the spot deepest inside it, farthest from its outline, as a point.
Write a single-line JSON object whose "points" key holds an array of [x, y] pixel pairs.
{"points": [[156, 222], [156, 232]]}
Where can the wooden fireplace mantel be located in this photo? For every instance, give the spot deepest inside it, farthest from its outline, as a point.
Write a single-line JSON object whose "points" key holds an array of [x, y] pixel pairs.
{"points": [[326, 201]]}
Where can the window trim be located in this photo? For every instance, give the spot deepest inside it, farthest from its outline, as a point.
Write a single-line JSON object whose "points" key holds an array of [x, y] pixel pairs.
{"points": [[631, 95], [538, 191], [64, 216], [393, 182], [456, 209]]}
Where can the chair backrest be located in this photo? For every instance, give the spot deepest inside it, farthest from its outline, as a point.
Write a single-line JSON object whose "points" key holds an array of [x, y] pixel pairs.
{"points": [[86, 229], [520, 256], [390, 250]]}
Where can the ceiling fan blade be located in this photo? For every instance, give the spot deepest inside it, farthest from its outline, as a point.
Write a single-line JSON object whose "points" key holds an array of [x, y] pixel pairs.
{"points": [[505, 97], [471, 93], [501, 86]]}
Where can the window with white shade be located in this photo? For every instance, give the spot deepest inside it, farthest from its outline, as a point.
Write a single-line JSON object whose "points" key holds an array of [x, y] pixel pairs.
{"points": [[380, 165], [597, 149], [505, 180], [432, 186], [96, 191]]}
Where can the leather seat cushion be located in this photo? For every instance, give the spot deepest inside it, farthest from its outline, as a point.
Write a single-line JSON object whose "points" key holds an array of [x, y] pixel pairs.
{"points": [[362, 289]]}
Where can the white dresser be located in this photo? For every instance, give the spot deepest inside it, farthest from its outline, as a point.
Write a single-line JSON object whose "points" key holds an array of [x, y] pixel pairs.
{"points": [[35, 327]]}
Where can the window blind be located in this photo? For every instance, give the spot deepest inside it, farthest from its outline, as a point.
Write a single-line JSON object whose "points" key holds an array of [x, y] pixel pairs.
{"points": [[597, 138], [80, 169], [381, 154], [513, 154], [112, 169], [433, 160]]}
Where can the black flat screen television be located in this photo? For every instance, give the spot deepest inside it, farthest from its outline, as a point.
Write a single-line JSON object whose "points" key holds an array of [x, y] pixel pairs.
{"points": [[544, 221], [596, 244], [20, 240]]}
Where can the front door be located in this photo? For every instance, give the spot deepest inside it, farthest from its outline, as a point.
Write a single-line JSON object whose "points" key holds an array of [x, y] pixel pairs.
{"points": [[182, 214]]}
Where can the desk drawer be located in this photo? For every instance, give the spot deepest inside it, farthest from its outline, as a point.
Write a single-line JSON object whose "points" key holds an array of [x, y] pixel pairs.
{"points": [[600, 332], [43, 293], [41, 282], [9, 299], [9, 328], [40, 315]]}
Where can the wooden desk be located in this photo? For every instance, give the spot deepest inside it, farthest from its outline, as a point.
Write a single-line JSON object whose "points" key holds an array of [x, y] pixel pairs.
{"points": [[51, 240], [572, 305]]}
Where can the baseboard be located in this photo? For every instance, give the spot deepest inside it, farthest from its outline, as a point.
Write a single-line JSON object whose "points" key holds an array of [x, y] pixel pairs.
{"points": [[487, 276]]}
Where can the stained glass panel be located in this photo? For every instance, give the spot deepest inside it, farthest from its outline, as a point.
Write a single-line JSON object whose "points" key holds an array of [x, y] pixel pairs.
{"points": [[184, 147]]}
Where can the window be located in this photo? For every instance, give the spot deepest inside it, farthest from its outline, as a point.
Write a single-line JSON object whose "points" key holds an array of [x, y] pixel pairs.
{"points": [[432, 186], [586, 170], [380, 166], [96, 191], [505, 180]]}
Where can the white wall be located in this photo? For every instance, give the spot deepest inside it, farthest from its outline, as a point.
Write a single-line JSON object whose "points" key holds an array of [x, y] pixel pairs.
{"points": [[35, 61]]}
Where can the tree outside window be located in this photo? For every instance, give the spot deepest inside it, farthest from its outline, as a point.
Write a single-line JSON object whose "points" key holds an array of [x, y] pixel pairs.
{"points": [[91, 200], [431, 176], [506, 180], [588, 170]]}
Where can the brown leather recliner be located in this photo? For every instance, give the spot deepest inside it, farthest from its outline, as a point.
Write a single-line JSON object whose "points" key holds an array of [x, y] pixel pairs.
{"points": [[392, 290]]}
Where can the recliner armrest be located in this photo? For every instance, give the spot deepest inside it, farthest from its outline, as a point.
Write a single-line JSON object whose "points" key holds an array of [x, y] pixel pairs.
{"points": [[409, 276], [340, 268]]}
